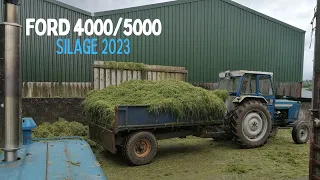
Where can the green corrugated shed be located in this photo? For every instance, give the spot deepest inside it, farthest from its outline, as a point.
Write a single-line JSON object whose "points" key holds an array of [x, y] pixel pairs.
{"points": [[205, 36], [209, 36], [40, 61]]}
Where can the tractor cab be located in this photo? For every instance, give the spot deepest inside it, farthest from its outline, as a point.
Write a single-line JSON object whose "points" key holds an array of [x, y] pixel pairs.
{"points": [[244, 85]]}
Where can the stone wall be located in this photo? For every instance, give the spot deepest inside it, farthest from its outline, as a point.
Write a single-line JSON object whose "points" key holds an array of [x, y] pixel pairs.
{"points": [[51, 109]]}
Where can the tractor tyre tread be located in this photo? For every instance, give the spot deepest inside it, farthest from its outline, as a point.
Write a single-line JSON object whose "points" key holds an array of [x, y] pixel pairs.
{"points": [[236, 128], [128, 147], [295, 133]]}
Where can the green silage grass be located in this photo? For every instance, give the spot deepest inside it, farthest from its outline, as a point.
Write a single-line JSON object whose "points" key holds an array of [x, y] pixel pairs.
{"points": [[60, 128], [125, 65], [179, 98], [63, 128]]}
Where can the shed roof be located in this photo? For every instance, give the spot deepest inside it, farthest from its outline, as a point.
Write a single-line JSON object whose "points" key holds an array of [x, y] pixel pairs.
{"points": [[170, 3]]}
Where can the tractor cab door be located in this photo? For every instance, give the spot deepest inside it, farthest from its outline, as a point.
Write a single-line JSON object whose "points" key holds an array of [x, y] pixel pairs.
{"points": [[265, 89], [248, 85]]}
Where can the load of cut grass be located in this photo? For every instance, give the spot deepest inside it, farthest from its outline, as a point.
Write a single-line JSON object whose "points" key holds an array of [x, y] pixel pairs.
{"points": [[60, 128], [63, 128], [179, 98]]}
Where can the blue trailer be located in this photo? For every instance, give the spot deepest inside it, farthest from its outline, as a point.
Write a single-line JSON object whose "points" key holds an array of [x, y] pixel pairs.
{"points": [[136, 131]]}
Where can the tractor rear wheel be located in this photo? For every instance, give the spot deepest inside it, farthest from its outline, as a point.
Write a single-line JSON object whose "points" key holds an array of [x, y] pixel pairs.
{"points": [[300, 132], [251, 124]]}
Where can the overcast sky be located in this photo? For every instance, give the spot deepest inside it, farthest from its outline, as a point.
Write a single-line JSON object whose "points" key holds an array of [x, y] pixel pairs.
{"points": [[294, 12]]}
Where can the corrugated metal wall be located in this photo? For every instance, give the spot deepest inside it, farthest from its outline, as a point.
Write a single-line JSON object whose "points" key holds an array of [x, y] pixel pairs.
{"points": [[40, 61], [209, 36], [205, 36]]}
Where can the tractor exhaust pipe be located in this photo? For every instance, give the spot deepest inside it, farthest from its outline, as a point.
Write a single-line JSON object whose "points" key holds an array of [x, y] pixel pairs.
{"points": [[10, 82]]}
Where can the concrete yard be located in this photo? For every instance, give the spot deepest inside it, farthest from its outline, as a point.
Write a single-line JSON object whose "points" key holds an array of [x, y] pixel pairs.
{"points": [[195, 158]]}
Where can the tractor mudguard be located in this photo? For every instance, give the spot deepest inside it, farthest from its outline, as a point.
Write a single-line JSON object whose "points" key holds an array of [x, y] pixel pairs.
{"points": [[242, 98]]}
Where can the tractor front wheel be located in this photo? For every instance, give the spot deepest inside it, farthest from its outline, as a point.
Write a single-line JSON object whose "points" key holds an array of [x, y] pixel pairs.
{"points": [[300, 132], [251, 124]]}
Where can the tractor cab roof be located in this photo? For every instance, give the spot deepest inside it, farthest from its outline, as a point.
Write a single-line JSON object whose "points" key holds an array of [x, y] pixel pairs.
{"points": [[241, 73]]}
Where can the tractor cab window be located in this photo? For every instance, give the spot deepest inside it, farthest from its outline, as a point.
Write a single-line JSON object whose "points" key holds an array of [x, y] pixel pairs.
{"points": [[229, 84], [265, 86], [249, 84]]}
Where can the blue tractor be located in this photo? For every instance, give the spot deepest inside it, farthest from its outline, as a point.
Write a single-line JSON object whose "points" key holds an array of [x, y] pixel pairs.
{"points": [[253, 112]]}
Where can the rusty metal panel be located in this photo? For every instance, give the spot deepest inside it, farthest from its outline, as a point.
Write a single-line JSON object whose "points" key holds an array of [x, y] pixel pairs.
{"points": [[105, 137]]}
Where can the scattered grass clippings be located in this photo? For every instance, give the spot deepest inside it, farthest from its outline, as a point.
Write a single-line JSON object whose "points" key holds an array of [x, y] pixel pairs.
{"points": [[74, 163], [176, 97]]}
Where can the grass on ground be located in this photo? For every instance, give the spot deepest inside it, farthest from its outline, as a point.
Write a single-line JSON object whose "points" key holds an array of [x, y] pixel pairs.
{"points": [[195, 158]]}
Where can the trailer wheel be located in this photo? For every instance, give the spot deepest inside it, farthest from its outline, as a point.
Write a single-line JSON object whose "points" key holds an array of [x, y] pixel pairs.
{"points": [[251, 124], [140, 148], [300, 132]]}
